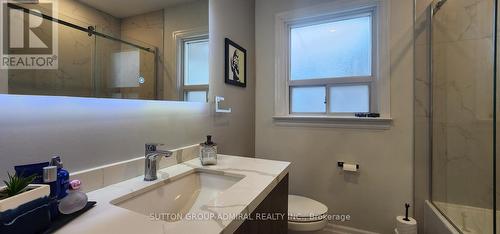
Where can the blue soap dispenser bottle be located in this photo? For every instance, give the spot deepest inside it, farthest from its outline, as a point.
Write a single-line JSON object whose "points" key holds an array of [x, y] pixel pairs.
{"points": [[62, 177]]}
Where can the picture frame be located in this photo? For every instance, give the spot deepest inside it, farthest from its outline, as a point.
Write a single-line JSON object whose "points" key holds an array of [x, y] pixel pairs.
{"points": [[235, 64]]}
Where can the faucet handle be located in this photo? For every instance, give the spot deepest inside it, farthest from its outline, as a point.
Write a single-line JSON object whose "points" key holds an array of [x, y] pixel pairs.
{"points": [[151, 147]]}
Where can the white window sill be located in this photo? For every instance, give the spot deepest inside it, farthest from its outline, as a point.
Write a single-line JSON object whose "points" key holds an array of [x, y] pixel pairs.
{"points": [[334, 121]]}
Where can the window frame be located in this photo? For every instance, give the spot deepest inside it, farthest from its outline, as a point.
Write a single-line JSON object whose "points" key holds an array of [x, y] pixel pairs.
{"points": [[184, 89], [306, 113], [379, 81], [328, 82], [177, 50]]}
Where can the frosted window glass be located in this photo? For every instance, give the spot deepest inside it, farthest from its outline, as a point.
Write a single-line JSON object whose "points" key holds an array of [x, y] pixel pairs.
{"points": [[196, 63], [331, 50], [196, 96], [350, 98], [308, 99]]}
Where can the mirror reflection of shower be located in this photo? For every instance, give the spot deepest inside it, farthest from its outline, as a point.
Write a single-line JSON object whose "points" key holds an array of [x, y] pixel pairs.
{"points": [[106, 52]]}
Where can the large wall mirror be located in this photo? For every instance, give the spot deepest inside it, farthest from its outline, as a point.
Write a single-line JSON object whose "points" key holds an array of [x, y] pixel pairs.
{"points": [[125, 49]]}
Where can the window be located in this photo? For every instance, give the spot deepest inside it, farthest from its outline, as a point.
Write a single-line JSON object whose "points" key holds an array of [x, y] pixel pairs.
{"points": [[195, 69], [341, 48], [332, 61], [335, 57]]}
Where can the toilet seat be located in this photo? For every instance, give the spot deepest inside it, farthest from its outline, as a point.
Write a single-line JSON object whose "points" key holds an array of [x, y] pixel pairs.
{"points": [[305, 214], [303, 209], [307, 227]]}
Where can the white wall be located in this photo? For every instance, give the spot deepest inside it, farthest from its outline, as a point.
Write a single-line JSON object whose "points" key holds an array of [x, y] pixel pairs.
{"points": [[233, 19], [375, 196], [180, 18]]}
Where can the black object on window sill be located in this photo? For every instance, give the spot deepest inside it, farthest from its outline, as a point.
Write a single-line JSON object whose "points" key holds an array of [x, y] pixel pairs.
{"points": [[367, 115]]}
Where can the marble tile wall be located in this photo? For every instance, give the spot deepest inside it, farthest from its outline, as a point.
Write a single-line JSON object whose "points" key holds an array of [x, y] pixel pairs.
{"points": [[462, 104], [76, 12], [147, 30], [462, 101], [74, 76], [85, 74], [468, 219], [76, 64]]}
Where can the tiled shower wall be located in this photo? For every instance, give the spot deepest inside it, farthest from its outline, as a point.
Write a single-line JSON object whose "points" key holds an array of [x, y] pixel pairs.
{"points": [[462, 109], [462, 88]]}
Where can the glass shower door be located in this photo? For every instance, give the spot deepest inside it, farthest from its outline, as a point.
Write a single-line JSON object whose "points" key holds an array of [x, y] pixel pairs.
{"points": [[463, 113], [74, 76], [125, 71], [91, 63]]}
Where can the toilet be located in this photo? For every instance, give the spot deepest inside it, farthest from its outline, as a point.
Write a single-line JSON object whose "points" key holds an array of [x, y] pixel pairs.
{"points": [[305, 214]]}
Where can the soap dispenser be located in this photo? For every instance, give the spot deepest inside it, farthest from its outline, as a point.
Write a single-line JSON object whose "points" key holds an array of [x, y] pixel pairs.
{"points": [[62, 177], [208, 152]]}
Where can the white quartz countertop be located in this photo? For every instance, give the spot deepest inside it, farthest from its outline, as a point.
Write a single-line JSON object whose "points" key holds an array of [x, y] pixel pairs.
{"points": [[260, 178]]}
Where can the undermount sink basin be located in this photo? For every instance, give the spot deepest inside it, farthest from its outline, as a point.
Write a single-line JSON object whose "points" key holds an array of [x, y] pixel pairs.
{"points": [[172, 199]]}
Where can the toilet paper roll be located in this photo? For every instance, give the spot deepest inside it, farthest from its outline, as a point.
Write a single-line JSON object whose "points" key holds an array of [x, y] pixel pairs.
{"points": [[349, 167], [406, 227]]}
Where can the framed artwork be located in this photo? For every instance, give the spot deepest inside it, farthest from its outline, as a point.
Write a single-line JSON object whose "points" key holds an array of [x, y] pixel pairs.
{"points": [[236, 64]]}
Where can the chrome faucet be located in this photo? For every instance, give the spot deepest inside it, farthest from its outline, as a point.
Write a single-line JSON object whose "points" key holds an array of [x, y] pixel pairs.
{"points": [[151, 163]]}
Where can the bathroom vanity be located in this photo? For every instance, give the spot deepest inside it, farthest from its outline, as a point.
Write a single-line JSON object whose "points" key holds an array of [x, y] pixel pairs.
{"points": [[238, 195]]}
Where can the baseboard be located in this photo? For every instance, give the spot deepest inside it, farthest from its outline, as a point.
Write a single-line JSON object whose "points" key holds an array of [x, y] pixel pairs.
{"points": [[339, 229]]}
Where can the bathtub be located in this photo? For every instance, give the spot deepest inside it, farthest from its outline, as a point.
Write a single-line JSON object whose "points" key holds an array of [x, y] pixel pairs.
{"points": [[468, 219]]}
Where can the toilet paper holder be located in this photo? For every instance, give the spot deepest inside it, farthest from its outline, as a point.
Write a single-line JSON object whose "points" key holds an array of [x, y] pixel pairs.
{"points": [[341, 165]]}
